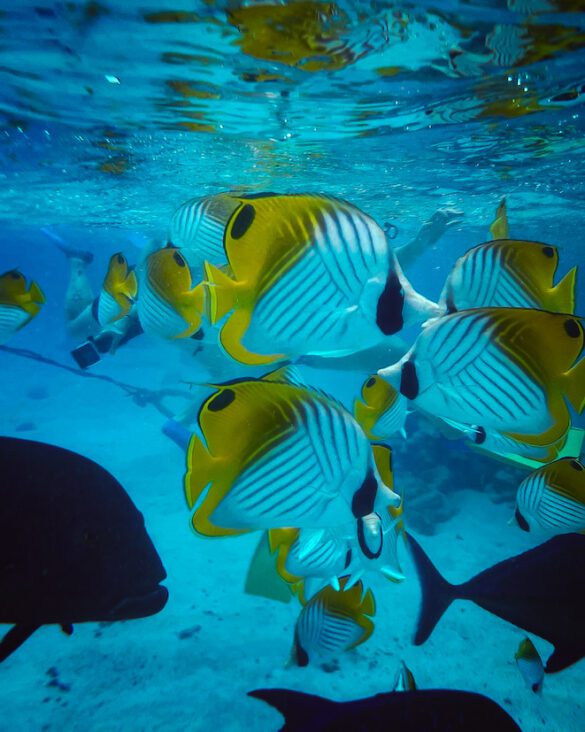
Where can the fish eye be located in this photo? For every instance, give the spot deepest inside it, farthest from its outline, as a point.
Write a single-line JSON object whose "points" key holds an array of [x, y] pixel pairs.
{"points": [[572, 328], [576, 465], [370, 382], [221, 400], [179, 259], [548, 252]]}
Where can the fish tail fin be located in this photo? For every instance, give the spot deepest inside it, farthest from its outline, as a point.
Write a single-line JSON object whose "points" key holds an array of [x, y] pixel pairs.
{"points": [[222, 291], [36, 294], [563, 294], [574, 386], [437, 593], [263, 578], [15, 637], [231, 339], [298, 709]]}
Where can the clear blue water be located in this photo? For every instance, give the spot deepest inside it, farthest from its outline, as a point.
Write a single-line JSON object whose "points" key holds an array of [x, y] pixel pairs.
{"points": [[112, 115]]}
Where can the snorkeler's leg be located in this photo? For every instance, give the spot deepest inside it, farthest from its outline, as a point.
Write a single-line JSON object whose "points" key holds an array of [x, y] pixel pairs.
{"points": [[430, 233]]}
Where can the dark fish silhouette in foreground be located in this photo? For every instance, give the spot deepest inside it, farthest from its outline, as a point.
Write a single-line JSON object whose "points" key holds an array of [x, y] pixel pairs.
{"points": [[540, 591], [73, 547], [406, 711]]}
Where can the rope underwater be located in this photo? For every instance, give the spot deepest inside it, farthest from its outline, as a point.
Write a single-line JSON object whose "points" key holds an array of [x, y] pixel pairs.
{"points": [[140, 395]]}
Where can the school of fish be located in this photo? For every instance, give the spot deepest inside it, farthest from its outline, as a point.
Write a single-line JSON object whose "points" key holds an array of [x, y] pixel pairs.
{"points": [[269, 279]]}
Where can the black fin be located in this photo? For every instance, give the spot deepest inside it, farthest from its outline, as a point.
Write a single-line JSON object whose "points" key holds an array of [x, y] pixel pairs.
{"points": [[300, 711], [437, 593], [15, 637], [563, 657]]}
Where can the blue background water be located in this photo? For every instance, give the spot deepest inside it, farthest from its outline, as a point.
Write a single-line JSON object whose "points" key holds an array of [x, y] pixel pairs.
{"points": [[110, 116]]}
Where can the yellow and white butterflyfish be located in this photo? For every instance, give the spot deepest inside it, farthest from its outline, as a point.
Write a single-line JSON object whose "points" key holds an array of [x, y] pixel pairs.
{"points": [[331, 622], [499, 226], [382, 411], [404, 680], [509, 273], [271, 453], [552, 498], [169, 304], [118, 292], [506, 369], [530, 665], [309, 275], [19, 303], [198, 227]]}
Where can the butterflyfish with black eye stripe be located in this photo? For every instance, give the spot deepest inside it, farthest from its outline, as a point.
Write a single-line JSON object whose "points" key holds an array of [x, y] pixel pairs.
{"points": [[308, 275], [507, 369], [530, 665], [552, 498], [118, 292], [331, 622], [169, 305], [272, 454], [509, 273], [382, 411], [19, 303]]}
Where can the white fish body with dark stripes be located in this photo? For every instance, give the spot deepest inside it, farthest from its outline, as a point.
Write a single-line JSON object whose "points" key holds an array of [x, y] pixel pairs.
{"points": [[19, 303], [552, 499], [509, 273], [331, 622], [271, 453], [307, 275], [509, 369]]}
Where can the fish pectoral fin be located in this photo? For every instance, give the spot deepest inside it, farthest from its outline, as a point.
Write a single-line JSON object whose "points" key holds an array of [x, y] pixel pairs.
{"points": [[563, 294], [231, 339], [15, 637]]}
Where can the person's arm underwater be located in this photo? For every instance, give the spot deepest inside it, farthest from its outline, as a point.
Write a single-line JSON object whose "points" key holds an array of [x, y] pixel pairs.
{"points": [[429, 234]]}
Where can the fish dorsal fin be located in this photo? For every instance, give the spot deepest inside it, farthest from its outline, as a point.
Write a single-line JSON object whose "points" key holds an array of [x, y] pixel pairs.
{"points": [[499, 226], [36, 294], [288, 374], [15, 637]]}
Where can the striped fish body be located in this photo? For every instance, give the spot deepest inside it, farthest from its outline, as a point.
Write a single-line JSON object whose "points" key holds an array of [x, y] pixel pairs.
{"points": [[327, 558], [274, 454], [552, 499], [509, 273], [169, 306], [382, 411], [198, 227], [12, 318], [332, 622], [108, 310], [311, 275], [505, 369]]}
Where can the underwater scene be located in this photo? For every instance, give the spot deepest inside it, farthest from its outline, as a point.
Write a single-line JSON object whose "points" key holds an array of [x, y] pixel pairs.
{"points": [[292, 344]]}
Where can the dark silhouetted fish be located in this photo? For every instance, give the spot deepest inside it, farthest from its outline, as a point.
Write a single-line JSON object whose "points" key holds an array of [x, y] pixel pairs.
{"points": [[540, 591], [406, 711], [73, 547]]}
